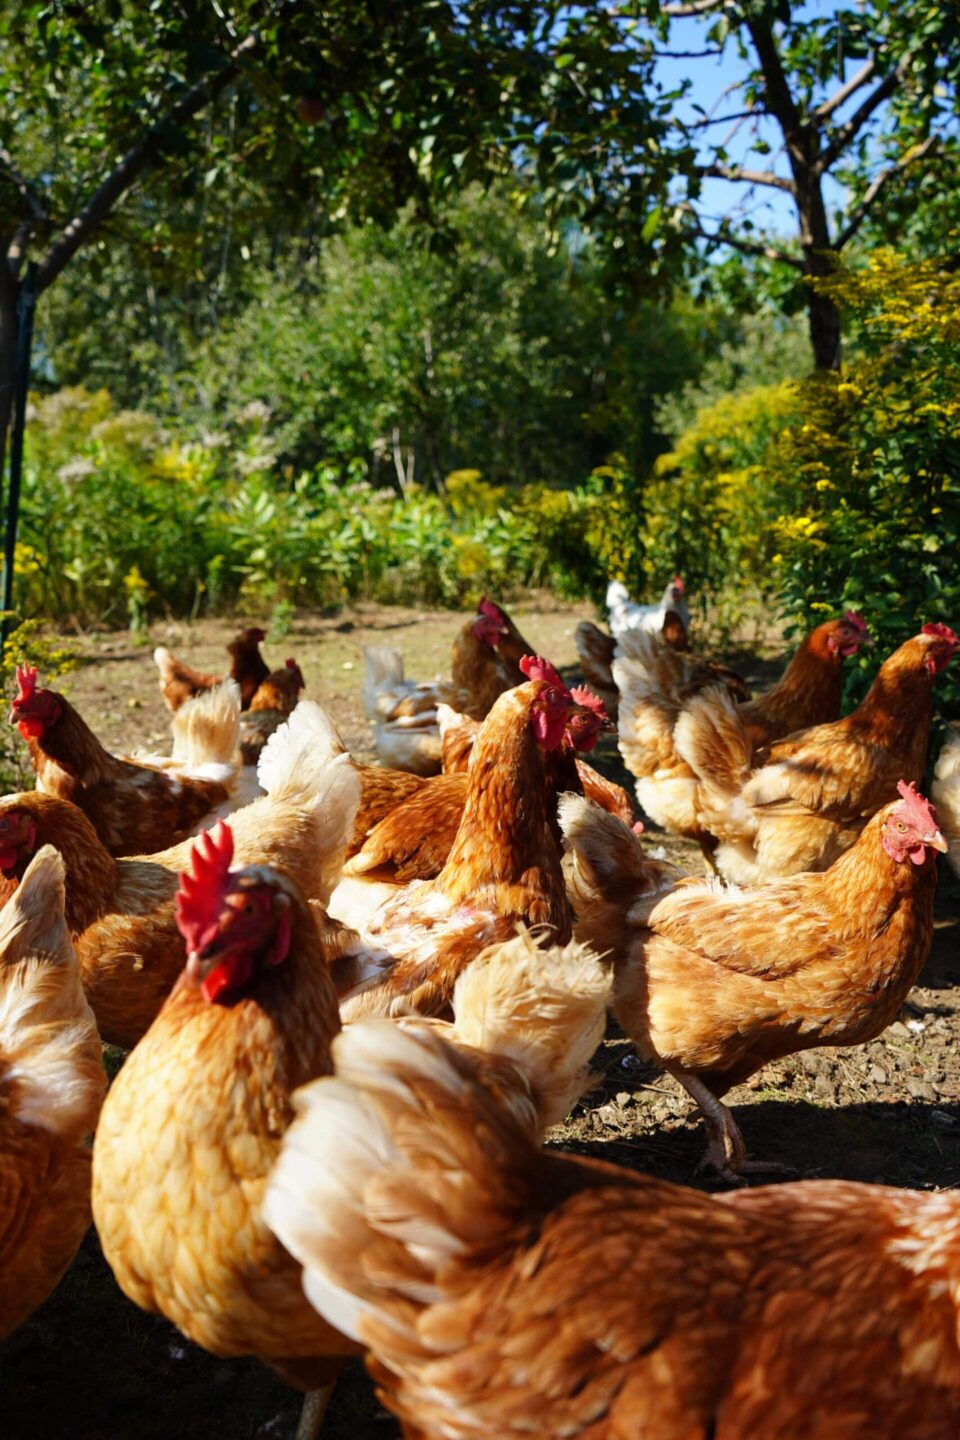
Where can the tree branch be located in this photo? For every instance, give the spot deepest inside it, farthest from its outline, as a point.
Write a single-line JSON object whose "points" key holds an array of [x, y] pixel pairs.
{"points": [[686, 54], [23, 185], [841, 138], [780, 101], [721, 119], [8, 302], [17, 249], [120, 180], [748, 247], [693, 7], [825, 110], [748, 177], [879, 183]]}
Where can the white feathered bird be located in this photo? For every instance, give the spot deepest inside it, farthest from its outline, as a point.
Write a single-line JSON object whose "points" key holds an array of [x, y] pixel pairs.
{"points": [[626, 614]]}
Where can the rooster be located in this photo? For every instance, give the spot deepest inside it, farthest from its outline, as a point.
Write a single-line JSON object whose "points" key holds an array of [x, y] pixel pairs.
{"points": [[503, 866], [193, 1123], [179, 682], [134, 807], [458, 732], [656, 684], [809, 691], [52, 1083], [625, 614], [120, 912], [504, 1291], [713, 983], [814, 790]]}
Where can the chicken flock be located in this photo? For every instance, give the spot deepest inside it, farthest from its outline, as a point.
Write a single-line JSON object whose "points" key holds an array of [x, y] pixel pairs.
{"points": [[355, 997]]}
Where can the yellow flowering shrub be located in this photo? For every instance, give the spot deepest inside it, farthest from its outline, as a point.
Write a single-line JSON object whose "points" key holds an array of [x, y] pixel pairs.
{"points": [[709, 509], [875, 465]]}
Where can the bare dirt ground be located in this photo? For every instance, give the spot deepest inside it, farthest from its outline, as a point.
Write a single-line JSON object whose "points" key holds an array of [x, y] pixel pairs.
{"points": [[91, 1366]]}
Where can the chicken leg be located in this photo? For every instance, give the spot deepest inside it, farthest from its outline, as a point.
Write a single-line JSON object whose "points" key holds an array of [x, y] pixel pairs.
{"points": [[314, 1409], [726, 1152]]}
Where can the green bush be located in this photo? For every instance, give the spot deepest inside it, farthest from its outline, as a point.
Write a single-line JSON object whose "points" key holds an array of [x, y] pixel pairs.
{"points": [[836, 490], [874, 465], [711, 509], [121, 520]]}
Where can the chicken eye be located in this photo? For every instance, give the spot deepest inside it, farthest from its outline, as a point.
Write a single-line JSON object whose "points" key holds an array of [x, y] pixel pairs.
{"points": [[900, 825]]}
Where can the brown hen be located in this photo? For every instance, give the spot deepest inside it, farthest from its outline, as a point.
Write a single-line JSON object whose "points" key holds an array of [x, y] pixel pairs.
{"points": [[52, 1084], [502, 1291], [713, 983], [813, 791], [121, 911]]}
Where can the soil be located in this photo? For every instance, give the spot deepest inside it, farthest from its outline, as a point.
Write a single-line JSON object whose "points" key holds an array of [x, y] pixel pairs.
{"points": [[90, 1366]]}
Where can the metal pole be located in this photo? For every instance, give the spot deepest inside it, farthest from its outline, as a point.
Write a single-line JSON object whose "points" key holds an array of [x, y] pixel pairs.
{"points": [[21, 382]]}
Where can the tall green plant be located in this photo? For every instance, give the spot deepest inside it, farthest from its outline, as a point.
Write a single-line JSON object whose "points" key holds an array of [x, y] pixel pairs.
{"points": [[875, 462]]}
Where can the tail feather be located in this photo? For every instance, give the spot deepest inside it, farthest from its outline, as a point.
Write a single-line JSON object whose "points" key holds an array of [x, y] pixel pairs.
{"points": [[646, 719], [667, 670], [543, 1009], [305, 764], [596, 650], [51, 1063], [383, 676], [614, 884], [206, 729], [375, 1189], [711, 737]]}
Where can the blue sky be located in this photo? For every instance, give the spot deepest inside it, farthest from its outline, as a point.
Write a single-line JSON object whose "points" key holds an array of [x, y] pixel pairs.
{"points": [[769, 209]]}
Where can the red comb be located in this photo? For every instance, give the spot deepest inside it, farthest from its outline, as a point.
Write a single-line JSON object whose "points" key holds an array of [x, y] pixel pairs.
{"points": [[292, 665], [27, 676], [943, 632], [203, 886], [536, 668], [678, 582], [492, 612], [589, 701], [856, 620], [917, 807], [583, 731]]}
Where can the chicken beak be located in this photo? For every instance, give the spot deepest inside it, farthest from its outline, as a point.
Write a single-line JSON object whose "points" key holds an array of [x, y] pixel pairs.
{"points": [[936, 842]]}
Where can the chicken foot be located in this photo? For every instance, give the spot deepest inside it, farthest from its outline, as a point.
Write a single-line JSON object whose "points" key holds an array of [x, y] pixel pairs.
{"points": [[726, 1152]]}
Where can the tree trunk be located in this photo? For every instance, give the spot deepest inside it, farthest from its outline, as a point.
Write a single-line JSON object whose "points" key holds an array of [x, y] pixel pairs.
{"points": [[818, 255], [803, 152], [824, 321], [8, 365]]}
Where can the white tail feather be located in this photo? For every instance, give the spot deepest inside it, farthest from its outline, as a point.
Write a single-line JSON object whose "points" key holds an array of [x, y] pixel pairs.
{"points": [[206, 729], [543, 1009], [383, 676], [48, 1036], [305, 763], [354, 1162]]}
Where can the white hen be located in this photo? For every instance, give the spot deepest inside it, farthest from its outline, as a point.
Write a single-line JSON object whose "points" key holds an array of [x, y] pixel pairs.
{"points": [[626, 614]]}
